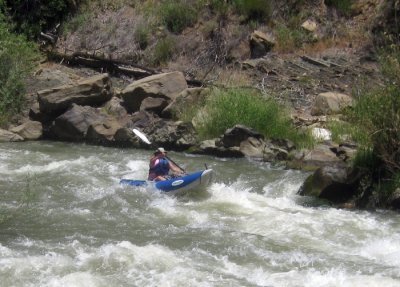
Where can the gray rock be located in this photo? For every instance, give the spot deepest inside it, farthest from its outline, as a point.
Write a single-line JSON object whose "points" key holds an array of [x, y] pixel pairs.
{"points": [[155, 105], [103, 132], [74, 124], [29, 130], [330, 103], [320, 156], [331, 183], [190, 97], [167, 86], [7, 136], [234, 136], [92, 91], [394, 200], [115, 108], [260, 44]]}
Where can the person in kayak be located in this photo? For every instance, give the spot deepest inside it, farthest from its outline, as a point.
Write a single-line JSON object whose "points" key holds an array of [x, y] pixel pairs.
{"points": [[160, 166]]}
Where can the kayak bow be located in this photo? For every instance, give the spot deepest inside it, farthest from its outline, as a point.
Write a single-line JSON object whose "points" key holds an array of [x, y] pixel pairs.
{"points": [[196, 180]]}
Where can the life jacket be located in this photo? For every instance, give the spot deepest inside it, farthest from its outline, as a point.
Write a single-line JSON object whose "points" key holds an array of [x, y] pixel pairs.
{"points": [[158, 166]]}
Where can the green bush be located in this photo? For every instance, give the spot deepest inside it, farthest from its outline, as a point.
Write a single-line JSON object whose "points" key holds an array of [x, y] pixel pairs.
{"points": [[163, 51], [32, 17], [377, 114], [17, 57], [259, 10], [343, 6], [142, 33], [176, 15], [226, 108], [75, 22], [288, 39], [219, 7]]}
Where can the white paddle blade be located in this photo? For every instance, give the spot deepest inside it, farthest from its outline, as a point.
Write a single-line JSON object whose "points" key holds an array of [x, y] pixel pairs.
{"points": [[142, 136]]}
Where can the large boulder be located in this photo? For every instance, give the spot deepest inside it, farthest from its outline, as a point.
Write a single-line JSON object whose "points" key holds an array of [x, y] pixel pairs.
{"points": [[103, 132], [237, 134], [30, 130], [155, 105], [124, 137], [330, 103], [213, 147], [92, 91], [114, 107], [167, 86], [260, 44], [241, 141], [335, 184], [321, 155], [189, 98], [175, 135], [7, 136], [74, 124], [394, 199]]}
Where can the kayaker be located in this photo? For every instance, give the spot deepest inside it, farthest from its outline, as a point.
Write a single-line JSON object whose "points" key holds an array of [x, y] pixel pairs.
{"points": [[160, 166]]}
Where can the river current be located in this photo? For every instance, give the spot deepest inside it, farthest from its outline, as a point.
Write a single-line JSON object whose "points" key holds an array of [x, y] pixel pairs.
{"points": [[66, 221]]}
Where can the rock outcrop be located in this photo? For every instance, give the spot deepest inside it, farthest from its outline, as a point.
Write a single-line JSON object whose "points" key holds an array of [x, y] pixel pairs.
{"points": [[93, 91], [7, 136], [165, 86]]}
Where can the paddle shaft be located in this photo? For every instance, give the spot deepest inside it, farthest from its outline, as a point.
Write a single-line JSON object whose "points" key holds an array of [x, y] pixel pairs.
{"points": [[175, 164]]}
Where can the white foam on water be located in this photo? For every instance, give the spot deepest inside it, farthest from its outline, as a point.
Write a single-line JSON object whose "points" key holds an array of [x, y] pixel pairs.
{"points": [[284, 186], [62, 165], [31, 268], [135, 169], [5, 251], [77, 279], [382, 250], [330, 278]]}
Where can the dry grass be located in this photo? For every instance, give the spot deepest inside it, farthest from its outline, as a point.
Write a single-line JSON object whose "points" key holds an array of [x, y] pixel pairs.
{"points": [[230, 77]]}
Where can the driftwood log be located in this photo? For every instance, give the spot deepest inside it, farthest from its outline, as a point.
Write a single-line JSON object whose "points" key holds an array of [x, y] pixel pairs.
{"points": [[116, 67]]}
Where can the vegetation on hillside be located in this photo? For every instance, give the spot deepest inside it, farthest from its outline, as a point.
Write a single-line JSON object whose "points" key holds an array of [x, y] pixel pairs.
{"points": [[17, 58], [374, 123], [228, 107], [33, 17]]}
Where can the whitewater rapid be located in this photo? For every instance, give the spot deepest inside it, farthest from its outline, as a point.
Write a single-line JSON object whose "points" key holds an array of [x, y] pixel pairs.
{"points": [[66, 221]]}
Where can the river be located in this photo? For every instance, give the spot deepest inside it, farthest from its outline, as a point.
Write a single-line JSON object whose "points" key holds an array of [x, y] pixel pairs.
{"points": [[66, 221]]}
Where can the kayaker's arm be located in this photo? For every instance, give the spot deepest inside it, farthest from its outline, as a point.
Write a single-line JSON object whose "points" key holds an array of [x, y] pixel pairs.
{"points": [[175, 169]]}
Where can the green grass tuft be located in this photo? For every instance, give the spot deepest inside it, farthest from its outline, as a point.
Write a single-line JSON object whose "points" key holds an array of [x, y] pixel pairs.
{"points": [[226, 108], [176, 15], [164, 50]]}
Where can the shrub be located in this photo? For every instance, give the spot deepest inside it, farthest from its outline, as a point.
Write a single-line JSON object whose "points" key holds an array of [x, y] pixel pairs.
{"points": [[17, 57], [376, 114], [289, 39], [254, 9], [343, 6], [142, 36], [374, 122], [32, 17], [226, 108], [163, 50], [75, 22], [176, 15]]}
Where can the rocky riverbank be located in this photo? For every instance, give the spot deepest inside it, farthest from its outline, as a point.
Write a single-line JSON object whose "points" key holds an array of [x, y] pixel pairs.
{"points": [[97, 96]]}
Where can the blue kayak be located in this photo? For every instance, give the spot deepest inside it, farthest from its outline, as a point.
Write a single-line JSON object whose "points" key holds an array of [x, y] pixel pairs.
{"points": [[196, 180]]}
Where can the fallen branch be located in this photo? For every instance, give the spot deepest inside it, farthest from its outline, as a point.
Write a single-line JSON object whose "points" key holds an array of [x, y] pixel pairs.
{"points": [[111, 66]]}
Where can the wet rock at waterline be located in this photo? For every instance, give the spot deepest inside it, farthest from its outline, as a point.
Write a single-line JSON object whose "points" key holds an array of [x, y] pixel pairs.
{"points": [[7, 136], [336, 184], [30, 130], [74, 124]]}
